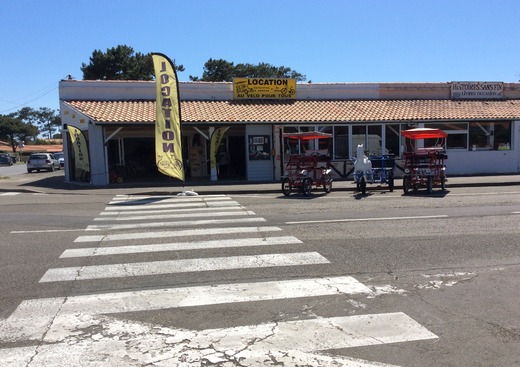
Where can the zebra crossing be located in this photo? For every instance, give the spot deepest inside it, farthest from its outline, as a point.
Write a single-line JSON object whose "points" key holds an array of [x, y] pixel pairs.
{"points": [[132, 225], [14, 193]]}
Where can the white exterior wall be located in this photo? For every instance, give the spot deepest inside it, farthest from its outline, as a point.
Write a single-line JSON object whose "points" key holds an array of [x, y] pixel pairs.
{"points": [[98, 168], [481, 162], [516, 143], [458, 163], [259, 170], [486, 161], [139, 90]]}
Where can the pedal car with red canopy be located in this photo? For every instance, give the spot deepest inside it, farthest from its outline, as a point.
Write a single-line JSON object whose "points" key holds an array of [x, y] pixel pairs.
{"points": [[424, 159], [307, 170]]}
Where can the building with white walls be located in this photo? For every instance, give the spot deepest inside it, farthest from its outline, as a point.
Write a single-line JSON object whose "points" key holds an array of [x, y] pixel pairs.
{"points": [[482, 120]]}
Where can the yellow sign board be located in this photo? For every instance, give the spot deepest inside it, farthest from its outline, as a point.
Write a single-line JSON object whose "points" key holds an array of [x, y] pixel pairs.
{"points": [[264, 88]]}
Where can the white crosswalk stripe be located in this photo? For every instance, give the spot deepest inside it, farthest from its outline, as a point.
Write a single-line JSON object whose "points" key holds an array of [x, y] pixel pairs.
{"points": [[182, 266], [230, 212], [183, 223], [162, 205], [178, 233], [210, 223], [14, 193], [180, 246]]}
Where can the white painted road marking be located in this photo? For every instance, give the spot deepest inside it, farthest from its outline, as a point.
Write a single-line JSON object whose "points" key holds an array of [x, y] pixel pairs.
{"points": [[180, 246], [320, 334], [76, 330], [61, 328], [181, 266], [49, 231], [23, 323], [210, 204], [147, 210], [179, 233], [368, 219], [286, 343], [145, 200], [10, 193], [182, 223], [235, 211]]}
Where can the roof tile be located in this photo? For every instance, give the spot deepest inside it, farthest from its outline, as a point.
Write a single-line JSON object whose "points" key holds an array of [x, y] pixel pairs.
{"points": [[326, 111]]}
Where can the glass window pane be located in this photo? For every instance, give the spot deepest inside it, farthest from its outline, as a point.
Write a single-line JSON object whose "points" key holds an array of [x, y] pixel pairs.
{"points": [[457, 134], [502, 135], [325, 145], [340, 142], [307, 144], [290, 146], [392, 140], [358, 137], [481, 135], [452, 126], [457, 141], [374, 140]]}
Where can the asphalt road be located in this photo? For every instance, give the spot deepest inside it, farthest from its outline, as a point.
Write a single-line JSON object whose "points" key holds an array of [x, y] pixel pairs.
{"points": [[433, 280]]}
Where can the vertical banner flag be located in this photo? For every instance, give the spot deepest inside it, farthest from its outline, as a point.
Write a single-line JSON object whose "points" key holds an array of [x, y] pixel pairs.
{"points": [[80, 147], [216, 138], [168, 149]]}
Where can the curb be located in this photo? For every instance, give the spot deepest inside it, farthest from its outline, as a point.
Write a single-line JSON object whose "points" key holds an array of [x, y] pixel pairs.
{"points": [[229, 189]]}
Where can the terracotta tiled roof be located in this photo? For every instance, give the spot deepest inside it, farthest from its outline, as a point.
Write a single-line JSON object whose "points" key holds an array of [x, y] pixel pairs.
{"points": [[318, 111], [5, 146], [42, 148]]}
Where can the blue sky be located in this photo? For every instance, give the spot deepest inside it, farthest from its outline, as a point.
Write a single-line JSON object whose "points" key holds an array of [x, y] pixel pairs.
{"points": [[326, 40]]}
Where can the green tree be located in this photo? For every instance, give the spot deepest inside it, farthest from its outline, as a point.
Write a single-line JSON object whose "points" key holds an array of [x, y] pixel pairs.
{"points": [[120, 63], [224, 71], [47, 120], [13, 130]]}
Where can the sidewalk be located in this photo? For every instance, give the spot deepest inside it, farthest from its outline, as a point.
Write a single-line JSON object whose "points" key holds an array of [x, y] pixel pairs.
{"points": [[56, 185]]}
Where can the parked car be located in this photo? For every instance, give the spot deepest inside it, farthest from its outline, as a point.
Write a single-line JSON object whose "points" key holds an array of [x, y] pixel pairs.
{"points": [[61, 158], [42, 161], [6, 159]]}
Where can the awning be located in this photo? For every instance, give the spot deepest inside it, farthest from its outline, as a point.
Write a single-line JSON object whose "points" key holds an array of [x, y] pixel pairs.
{"points": [[423, 133], [308, 135]]}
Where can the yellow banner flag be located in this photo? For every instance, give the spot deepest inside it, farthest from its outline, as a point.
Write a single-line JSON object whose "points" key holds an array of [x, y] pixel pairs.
{"points": [[168, 149], [80, 147], [216, 138]]}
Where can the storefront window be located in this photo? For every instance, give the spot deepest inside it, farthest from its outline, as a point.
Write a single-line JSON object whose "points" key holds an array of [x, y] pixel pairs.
{"points": [[322, 146], [490, 135], [307, 144], [457, 134], [369, 136], [391, 140], [325, 145], [290, 146], [375, 140], [340, 142], [358, 137]]}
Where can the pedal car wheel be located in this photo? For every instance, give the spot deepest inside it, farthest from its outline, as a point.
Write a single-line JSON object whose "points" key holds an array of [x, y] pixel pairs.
{"points": [[307, 186], [407, 185], [429, 185], [327, 186], [286, 186]]}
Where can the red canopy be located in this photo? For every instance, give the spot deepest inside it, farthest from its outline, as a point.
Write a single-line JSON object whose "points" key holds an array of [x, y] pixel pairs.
{"points": [[423, 133], [308, 135]]}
